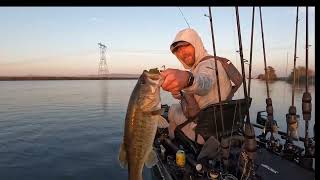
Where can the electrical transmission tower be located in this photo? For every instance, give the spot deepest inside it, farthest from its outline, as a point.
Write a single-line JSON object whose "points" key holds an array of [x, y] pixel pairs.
{"points": [[103, 68]]}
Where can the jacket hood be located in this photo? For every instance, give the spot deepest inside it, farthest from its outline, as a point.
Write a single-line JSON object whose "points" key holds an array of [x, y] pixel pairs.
{"points": [[191, 36]]}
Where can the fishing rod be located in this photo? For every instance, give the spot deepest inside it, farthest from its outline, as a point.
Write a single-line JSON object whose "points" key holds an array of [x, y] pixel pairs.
{"points": [[225, 149], [216, 69], [250, 141], [291, 117], [249, 130], [306, 109], [270, 126], [286, 75], [251, 45], [242, 65]]}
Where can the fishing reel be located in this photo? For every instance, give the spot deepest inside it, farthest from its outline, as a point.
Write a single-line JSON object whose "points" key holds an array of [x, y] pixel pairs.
{"points": [[269, 137], [214, 175], [307, 159], [291, 151], [274, 145], [310, 150]]}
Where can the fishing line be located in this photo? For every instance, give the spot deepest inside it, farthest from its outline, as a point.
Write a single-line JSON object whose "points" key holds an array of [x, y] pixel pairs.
{"points": [[184, 17], [234, 117]]}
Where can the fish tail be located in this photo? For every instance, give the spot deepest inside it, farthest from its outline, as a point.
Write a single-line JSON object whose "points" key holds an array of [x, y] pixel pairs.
{"points": [[135, 176], [123, 156]]}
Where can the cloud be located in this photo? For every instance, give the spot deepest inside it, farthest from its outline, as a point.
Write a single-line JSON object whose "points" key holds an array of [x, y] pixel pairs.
{"points": [[96, 20]]}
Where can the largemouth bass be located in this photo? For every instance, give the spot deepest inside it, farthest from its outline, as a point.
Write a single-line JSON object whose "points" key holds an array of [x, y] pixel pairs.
{"points": [[142, 119]]}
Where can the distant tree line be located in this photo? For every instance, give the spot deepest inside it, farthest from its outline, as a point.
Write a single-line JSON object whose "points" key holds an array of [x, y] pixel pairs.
{"points": [[300, 75], [271, 74]]}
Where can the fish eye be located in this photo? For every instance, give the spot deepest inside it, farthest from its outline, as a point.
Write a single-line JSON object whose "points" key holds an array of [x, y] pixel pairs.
{"points": [[142, 81]]}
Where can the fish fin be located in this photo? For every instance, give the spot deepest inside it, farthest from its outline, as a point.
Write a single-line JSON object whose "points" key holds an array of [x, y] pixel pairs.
{"points": [[162, 122], [123, 156], [151, 159]]}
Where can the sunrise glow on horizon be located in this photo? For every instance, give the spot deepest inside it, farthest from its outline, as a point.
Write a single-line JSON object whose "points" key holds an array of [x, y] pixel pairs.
{"points": [[63, 40]]}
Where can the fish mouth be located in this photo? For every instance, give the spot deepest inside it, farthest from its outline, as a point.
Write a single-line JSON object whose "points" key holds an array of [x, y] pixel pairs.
{"points": [[153, 74], [150, 82], [153, 71]]}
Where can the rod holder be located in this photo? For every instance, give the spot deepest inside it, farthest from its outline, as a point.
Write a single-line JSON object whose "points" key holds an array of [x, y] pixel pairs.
{"points": [[270, 125], [250, 144], [292, 123], [225, 151], [306, 106]]}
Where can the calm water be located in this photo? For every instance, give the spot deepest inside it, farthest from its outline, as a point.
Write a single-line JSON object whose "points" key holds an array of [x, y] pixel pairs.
{"points": [[72, 129]]}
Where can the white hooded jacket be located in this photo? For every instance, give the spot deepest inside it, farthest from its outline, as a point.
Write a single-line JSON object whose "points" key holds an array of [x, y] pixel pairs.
{"points": [[205, 85]]}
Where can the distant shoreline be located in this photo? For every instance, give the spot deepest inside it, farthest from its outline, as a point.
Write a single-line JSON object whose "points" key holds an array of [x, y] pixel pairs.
{"points": [[32, 78]]}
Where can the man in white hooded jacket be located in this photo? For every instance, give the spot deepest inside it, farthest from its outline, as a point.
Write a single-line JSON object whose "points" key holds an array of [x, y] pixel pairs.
{"points": [[200, 79]]}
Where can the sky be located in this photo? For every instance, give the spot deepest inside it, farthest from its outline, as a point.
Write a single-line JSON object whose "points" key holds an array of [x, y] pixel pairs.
{"points": [[58, 41]]}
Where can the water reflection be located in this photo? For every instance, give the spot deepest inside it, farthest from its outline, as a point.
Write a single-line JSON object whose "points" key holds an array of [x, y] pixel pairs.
{"points": [[56, 129], [104, 87], [281, 95]]}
